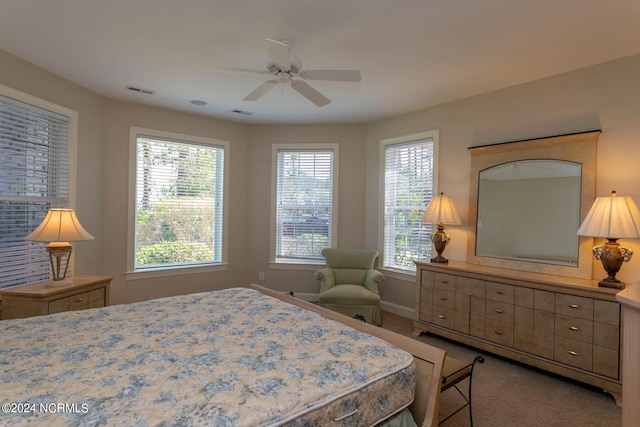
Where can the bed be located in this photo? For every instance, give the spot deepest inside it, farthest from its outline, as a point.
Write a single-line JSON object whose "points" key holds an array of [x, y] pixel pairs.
{"points": [[241, 356]]}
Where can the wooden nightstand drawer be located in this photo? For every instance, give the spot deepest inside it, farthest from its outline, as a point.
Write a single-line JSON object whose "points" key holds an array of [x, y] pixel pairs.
{"points": [[79, 301]]}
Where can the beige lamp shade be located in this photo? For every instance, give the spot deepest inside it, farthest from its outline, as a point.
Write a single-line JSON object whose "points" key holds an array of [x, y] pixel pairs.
{"points": [[59, 225], [441, 210], [612, 217]]}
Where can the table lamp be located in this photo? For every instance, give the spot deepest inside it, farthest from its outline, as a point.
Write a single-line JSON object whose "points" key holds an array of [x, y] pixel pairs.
{"points": [[59, 227], [613, 218], [441, 210]]}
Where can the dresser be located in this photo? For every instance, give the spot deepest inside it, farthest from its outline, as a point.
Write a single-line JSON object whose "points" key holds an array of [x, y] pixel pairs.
{"points": [[40, 298], [567, 326]]}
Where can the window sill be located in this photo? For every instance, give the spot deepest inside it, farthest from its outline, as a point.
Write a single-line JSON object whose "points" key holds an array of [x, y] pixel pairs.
{"points": [[407, 276], [295, 266], [176, 271]]}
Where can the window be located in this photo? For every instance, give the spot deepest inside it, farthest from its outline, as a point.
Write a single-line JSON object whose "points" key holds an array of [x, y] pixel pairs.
{"points": [[178, 211], [305, 207], [36, 140], [409, 182]]}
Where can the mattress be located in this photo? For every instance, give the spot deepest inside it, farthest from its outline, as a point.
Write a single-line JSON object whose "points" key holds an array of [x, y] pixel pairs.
{"points": [[234, 357]]}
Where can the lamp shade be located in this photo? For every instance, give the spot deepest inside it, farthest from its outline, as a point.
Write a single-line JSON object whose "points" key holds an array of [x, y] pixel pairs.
{"points": [[59, 225], [612, 217], [441, 210]]}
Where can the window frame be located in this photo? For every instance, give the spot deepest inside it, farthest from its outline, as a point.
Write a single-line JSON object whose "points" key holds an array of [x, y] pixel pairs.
{"points": [[72, 153], [434, 135], [131, 273], [302, 264]]}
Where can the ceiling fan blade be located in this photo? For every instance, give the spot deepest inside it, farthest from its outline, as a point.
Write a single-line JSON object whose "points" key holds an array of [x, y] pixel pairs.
{"points": [[334, 75], [310, 93], [260, 90], [279, 52]]}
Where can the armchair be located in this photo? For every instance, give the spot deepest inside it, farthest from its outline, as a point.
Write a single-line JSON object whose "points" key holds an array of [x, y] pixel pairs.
{"points": [[349, 284]]}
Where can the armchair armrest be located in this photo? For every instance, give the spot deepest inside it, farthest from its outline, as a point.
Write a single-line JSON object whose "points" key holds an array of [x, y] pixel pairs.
{"points": [[326, 278], [372, 279]]}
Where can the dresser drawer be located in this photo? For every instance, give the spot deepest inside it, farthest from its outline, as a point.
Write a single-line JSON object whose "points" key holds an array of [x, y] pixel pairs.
{"points": [[444, 281], [605, 335], [444, 298], [574, 353], [500, 311], [444, 317], [574, 306], [574, 328], [606, 362], [500, 292], [499, 332]]}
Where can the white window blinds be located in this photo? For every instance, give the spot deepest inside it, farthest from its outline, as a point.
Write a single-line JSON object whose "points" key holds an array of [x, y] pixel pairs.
{"points": [[34, 177], [179, 203], [304, 204], [408, 188]]}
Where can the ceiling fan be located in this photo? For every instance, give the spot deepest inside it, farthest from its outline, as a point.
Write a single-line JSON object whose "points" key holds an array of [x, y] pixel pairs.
{"points": [[286, 68]]}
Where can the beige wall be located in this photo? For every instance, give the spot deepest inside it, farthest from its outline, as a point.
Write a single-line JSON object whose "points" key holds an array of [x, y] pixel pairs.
{"points": [[25, 77], [351, 196], [118, 118], [604, 97]]}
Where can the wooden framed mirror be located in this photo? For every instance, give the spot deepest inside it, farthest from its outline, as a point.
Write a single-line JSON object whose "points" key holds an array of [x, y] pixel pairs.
{"points": [[528, 199]]}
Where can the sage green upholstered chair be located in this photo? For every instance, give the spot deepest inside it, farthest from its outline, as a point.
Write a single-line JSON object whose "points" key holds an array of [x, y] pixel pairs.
{"points": [[349, 284]]}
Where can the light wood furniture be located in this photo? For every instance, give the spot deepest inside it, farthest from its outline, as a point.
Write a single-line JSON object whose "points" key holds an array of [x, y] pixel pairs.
{"points": [[429, 360], [630, 300], [37, 299], [564, 325]]}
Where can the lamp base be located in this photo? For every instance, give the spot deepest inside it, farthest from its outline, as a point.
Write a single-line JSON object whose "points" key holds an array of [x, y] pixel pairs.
{"points": [[58, 283], [608, 283], [612, 255], [440, 239]]}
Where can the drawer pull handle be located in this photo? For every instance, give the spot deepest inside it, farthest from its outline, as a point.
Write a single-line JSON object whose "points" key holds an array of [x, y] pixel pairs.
{"points": [[346, 415], [444, 281], [499, 292], [442, 316], [443, 298], [79, 299], [574, 306], [499, 333], [573, 328], [573, 353], [499, 311]]}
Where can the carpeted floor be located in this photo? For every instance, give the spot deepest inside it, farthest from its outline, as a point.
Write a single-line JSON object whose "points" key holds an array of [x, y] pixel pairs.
{"points": [[508, 394]]}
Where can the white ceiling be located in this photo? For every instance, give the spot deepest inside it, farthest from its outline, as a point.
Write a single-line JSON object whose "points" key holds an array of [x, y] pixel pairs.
{"points": [[411, 53]]}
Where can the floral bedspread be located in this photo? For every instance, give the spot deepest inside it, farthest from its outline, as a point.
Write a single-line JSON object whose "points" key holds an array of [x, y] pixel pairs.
{"points": [[228, 358]]}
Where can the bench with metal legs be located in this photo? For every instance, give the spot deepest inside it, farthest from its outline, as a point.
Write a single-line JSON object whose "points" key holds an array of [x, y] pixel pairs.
{"points": [[453, 373]]}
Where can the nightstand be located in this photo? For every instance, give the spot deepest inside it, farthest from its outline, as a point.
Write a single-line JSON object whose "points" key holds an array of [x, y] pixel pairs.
{"points": [[37, 299]]}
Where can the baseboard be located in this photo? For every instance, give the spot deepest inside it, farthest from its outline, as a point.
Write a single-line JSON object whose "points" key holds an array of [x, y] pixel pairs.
{"points": [[400, 310]]}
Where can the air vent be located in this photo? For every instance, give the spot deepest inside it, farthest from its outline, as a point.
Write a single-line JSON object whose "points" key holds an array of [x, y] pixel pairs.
{"points": [[137, 89], [244, 113]]}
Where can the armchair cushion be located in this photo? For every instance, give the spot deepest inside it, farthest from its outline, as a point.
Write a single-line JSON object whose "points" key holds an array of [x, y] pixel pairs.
{"points": [[350, 294]]}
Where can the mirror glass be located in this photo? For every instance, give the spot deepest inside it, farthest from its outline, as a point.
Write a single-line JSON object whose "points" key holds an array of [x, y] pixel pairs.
{"points": [[529, 210]]}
